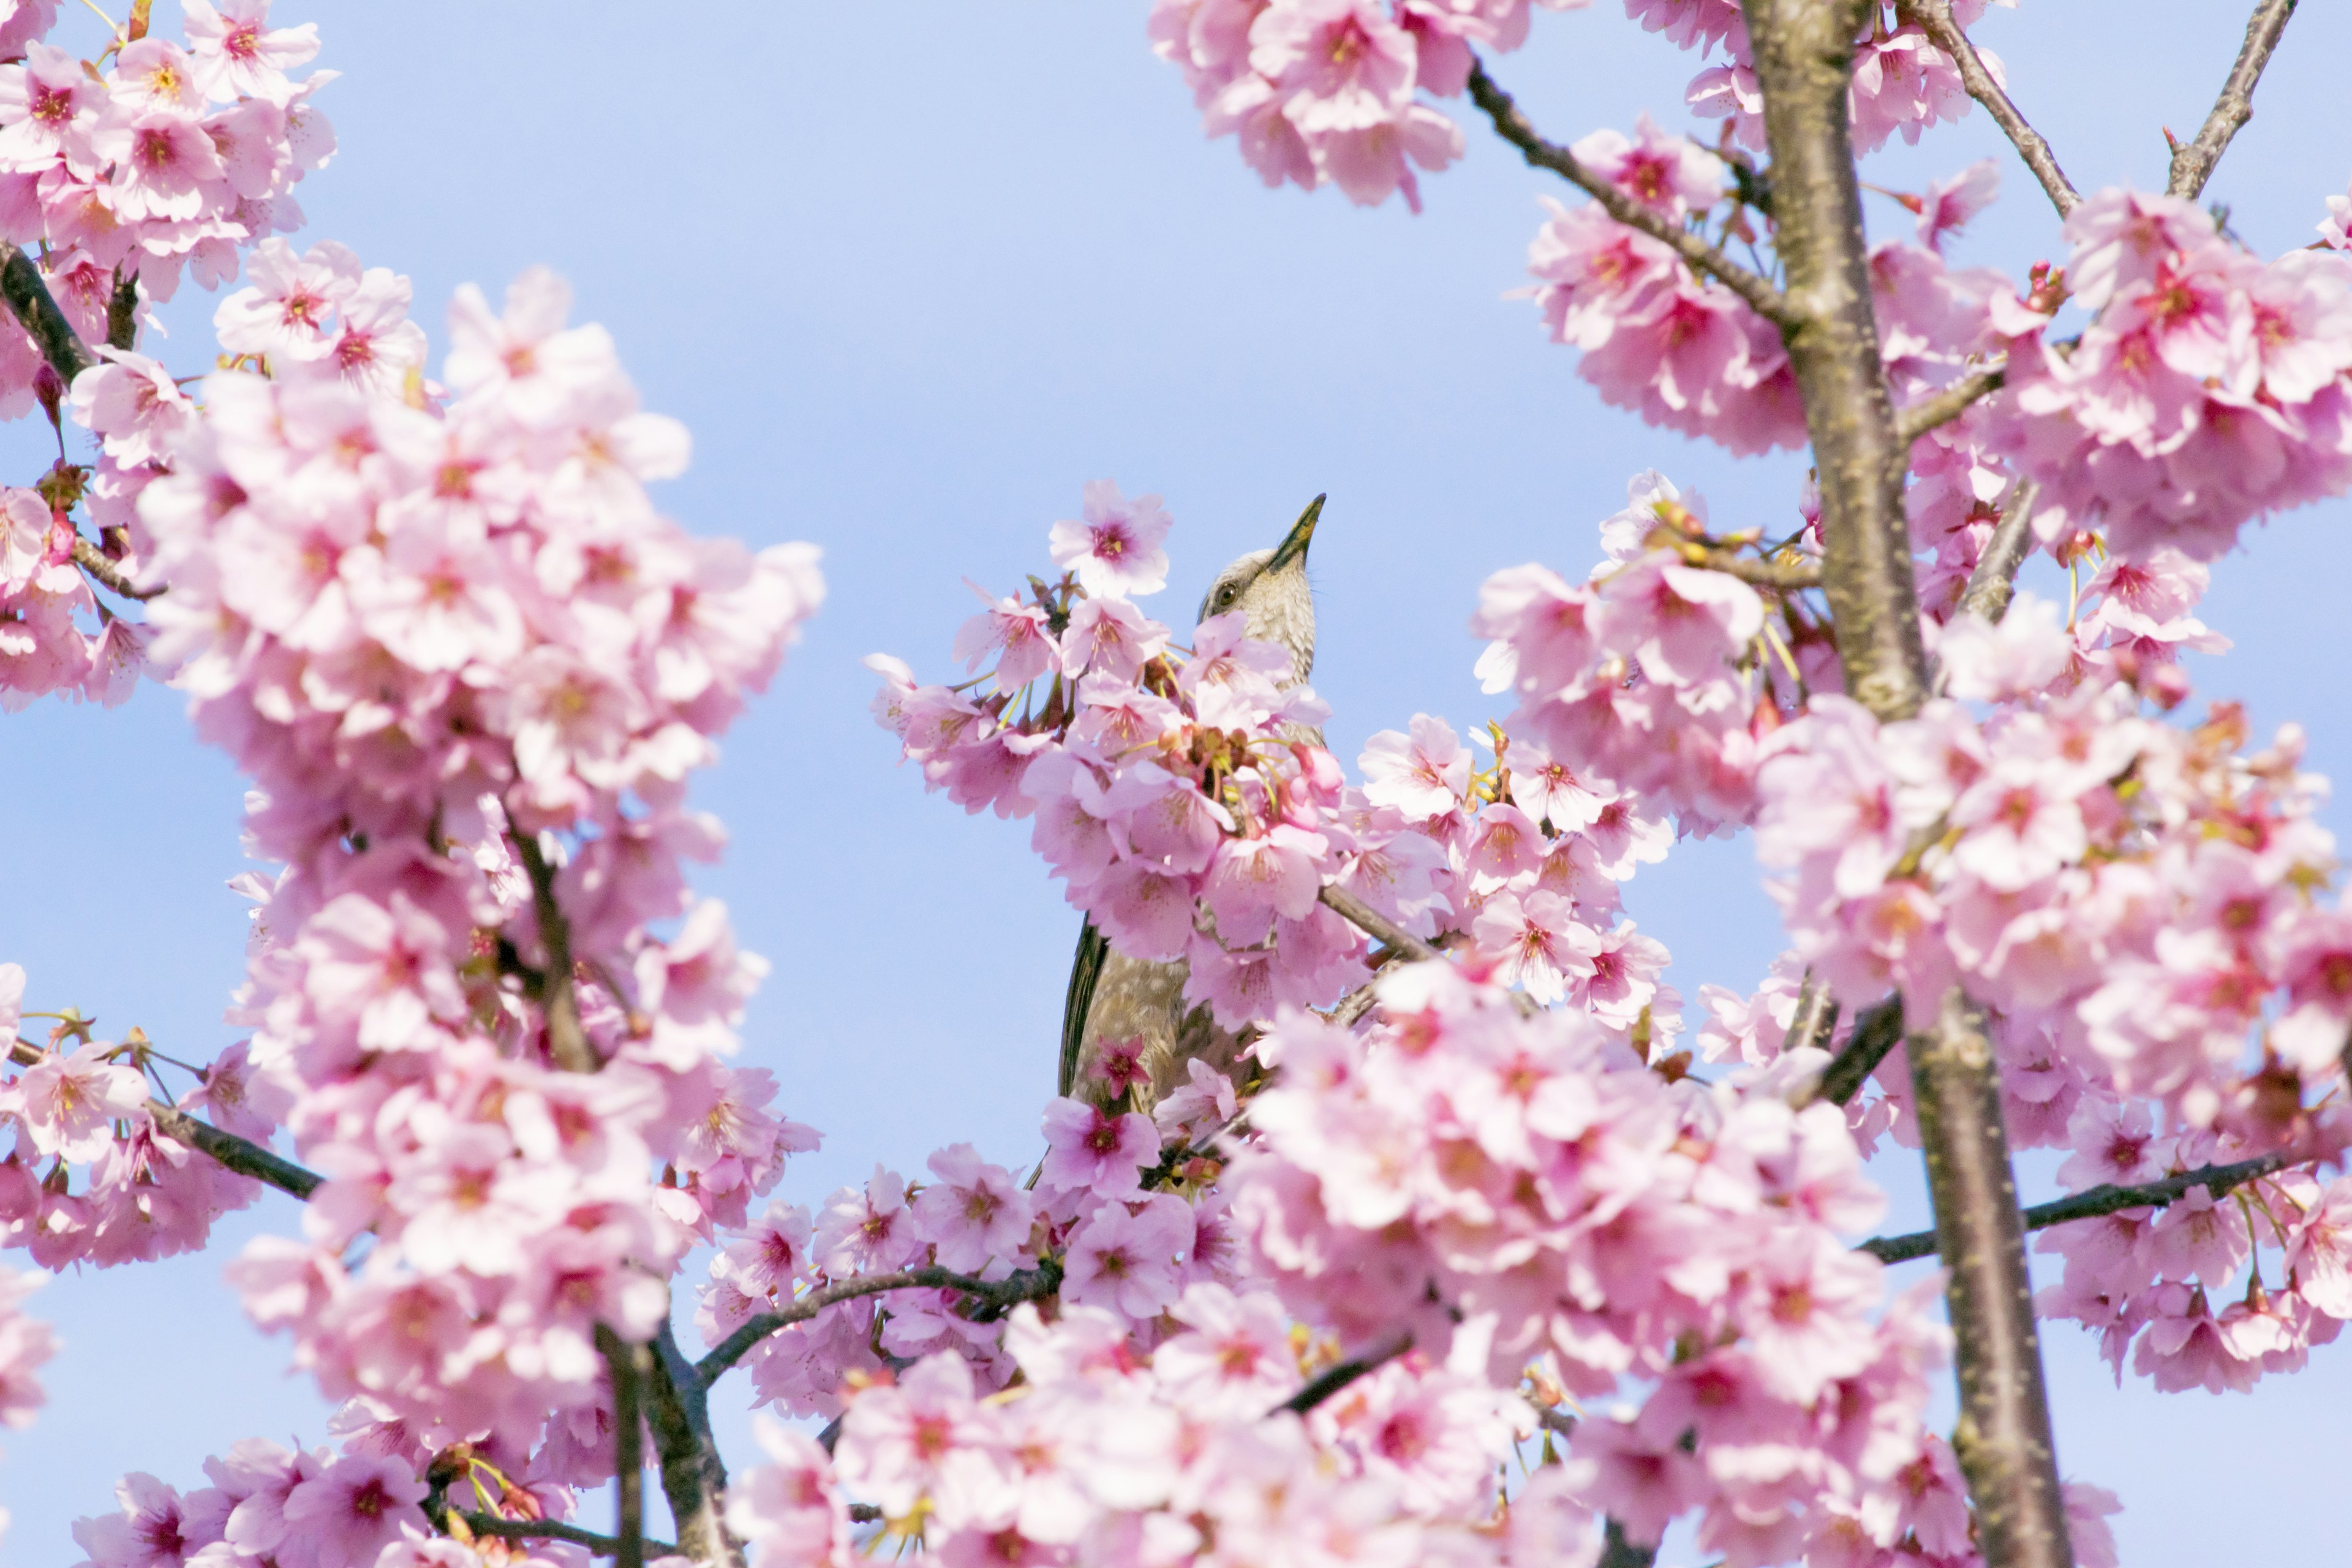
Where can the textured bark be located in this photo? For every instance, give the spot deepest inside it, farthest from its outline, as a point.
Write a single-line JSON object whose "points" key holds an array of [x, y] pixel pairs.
{"points": [[694, 1478], [28, 296], [1804, 61], [625, 1365], [2003, 1441]]}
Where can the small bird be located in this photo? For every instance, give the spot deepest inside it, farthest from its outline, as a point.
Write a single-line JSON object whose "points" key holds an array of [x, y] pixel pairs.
{"points": [[1136, 1006]]}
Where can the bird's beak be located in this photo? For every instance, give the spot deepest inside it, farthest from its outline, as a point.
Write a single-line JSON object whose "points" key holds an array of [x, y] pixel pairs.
{"points": [[1294, 543]]}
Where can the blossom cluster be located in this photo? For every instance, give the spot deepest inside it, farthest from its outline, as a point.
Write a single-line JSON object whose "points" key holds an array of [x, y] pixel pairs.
{"points": [[83, 1111], [1170, 1454], [170, 158], [363, 1507], [1529, 1178], [1903, 83], [469, 668], [1324, 91], [159, 158], [2208, 388], [1652, 675]]}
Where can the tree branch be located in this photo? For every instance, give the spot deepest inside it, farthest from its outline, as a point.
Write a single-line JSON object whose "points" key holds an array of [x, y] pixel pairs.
{"points": [[1618, 1552], [242, 1155], [1374, 924], [555, 1529], [1935, 17], [28, 299], [694, 1478], [1878, 1030], [92, 560], [122, 312], [1803, 53], [1995, 577], [559, 999], [1803, 60], [1948, 405], [1785, 576], [625, 1365], [1338, 1377], [2105, 1199], [2003, 1441], [1756, 291], [1812, 1024], [993, 1297], [2192, 164]]}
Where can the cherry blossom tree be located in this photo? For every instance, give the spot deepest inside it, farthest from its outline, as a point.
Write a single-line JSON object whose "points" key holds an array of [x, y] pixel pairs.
{"points": [[1493, 1249]]}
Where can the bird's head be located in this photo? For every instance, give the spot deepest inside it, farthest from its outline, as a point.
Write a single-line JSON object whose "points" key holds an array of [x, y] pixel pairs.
{"points": [[1270, 586]]}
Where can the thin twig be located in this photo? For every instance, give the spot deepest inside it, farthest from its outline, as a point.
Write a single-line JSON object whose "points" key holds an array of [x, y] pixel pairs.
{"points": [[2100, 1200], [28, 299], [1935, 17], [92, 560], [1753, 289], [2192, 164], [1338, 1377], [1878, 1030], [555, 1529], [1949, 405], [990, 1295]]}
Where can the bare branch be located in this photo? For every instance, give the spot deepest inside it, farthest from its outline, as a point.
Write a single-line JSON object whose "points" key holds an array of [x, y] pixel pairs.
{"points": [[28, 297], [1935, 17], [993, 1297], [1757, 292], [2105, 1199], [1949, 403], [1878, 1030], [2003, 1441], [1995, 577], [555, 1529], [1374, 924], [2192, 164], [1338, 1377], [92, 560]]}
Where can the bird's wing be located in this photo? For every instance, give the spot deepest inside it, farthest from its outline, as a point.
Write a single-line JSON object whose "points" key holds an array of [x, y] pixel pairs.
{"points": [[1084, 970]]}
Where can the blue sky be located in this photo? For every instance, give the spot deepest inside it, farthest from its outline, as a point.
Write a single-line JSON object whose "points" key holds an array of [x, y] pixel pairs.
{"points": [[912, 273]]}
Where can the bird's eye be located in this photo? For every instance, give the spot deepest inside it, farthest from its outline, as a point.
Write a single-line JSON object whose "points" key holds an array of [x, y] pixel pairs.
{"points": [[1225, 594]]}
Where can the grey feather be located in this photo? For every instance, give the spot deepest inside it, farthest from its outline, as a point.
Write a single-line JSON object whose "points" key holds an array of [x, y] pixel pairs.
{"points": [[1116, 998]]}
